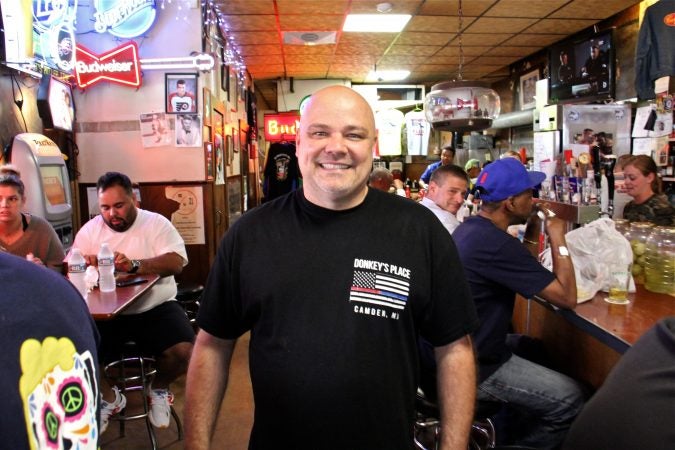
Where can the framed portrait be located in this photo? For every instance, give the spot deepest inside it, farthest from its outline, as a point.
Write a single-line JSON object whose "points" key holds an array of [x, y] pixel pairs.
{"points": [[234, 198], [528, 89], [181, 93], [219, 155], [232, 90], [206, 110], [208, 161], [225, 79], [155, 130], [229, 149], [188, 130]]}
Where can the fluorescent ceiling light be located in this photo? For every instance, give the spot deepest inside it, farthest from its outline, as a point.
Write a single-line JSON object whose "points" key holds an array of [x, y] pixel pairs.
{"points": [[376, 23], [387, 75]]}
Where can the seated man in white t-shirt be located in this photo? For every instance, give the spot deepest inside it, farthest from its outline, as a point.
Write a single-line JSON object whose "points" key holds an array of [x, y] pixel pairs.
{"points": [[144, 242], [445, 195]]}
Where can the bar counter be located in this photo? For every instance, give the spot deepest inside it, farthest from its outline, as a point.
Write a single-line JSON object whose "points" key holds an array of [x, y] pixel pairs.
{"points": [[586, 343]]}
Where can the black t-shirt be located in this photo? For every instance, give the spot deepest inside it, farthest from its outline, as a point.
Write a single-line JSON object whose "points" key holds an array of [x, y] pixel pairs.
{"points": [[334, 301]]}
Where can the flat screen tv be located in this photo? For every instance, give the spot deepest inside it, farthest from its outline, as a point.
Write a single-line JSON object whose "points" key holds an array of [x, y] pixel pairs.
{"points": [[55, 103], [582, 68]]}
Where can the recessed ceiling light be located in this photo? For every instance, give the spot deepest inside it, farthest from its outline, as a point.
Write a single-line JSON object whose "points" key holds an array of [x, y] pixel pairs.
{"points": [[376, 23], [387, 75]]}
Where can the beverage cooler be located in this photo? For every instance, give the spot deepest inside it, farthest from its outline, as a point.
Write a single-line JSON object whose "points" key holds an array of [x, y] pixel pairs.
{"points": [[45, 176]]}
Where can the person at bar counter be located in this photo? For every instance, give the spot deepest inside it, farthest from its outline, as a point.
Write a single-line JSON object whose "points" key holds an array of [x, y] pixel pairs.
{"points": [[144, 242], [498, 266], [350, 275], [48, 383], [381, 178], [447, 158], [23, 234], [642, 182], [634, 407], [447, 189]]}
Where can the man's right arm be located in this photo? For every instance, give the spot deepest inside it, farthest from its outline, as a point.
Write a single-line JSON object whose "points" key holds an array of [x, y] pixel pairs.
{"points": [[562, 291], [205, 388]]}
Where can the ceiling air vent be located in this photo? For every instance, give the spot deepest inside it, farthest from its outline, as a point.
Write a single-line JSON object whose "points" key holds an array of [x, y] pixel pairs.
{"points": [[309, 37]]}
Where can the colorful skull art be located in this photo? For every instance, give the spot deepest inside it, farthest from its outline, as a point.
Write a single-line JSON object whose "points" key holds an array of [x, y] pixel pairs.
{"points": [[60, 395]]}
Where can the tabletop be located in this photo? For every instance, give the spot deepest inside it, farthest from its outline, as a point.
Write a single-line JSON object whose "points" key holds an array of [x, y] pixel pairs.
{"points": [[107, 305]]}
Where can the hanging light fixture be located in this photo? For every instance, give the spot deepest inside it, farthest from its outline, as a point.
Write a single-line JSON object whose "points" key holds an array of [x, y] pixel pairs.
{"points": [[461, 105]]}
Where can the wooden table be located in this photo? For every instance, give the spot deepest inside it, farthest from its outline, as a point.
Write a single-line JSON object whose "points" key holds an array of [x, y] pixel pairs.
{"points": [[588, 341], [106, 305]]}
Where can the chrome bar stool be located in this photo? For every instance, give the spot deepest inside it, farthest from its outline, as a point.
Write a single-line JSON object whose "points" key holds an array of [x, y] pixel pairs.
{"points": [[188, 296], [134, 375]]}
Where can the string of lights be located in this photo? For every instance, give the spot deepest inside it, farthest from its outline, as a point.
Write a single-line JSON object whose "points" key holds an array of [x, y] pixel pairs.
{"points": [[226, 44]]}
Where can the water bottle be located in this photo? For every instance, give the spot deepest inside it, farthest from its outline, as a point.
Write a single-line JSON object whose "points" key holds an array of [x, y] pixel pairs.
{"points": [[76, 270], [106, 269]]}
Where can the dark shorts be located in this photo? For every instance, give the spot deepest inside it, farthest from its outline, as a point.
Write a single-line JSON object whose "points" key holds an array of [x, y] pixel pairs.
{"points": [[152, 331]]}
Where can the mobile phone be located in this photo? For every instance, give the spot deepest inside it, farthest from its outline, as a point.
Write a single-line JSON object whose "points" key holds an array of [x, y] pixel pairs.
{"points": [[130, 281]]}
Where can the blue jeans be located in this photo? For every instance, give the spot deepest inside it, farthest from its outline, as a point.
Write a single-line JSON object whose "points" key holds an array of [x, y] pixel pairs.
{"points": [[553, 399]]}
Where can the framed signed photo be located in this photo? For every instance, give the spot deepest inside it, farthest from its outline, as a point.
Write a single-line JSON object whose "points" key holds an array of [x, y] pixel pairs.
{"points": [[528, 89], [181, 93]]}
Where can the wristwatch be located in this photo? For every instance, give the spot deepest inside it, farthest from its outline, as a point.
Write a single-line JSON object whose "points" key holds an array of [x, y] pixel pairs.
{"points": [[135, 265], [563, 252]]}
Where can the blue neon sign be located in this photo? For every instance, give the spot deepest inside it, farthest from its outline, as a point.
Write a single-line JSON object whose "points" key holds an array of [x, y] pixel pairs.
{"points": [[124, 18]]}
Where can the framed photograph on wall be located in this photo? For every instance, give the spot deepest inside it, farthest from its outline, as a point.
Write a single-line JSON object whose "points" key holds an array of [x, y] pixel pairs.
{"points": [[225, 80], [232, 90], [206, 109], [208, 160], [188, 130], [181, 93], [528, 89], [234, 198]]}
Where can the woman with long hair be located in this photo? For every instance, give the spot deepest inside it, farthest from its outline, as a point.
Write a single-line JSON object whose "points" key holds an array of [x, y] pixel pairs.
{"points": [[642, 182]]}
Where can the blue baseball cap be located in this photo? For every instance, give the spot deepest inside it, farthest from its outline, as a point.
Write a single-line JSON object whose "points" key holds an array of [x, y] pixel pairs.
{"points": [[504, 178]]}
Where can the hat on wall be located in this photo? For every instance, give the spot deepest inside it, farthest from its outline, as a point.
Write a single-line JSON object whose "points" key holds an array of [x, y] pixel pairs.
{"points": [[504, 178], [471, 163]]}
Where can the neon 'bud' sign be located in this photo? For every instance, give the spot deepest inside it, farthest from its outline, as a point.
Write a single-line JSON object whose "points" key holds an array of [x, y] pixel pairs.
{"points": [[119, 65]]}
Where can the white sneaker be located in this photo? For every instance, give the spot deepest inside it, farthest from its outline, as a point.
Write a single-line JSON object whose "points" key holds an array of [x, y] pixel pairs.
{"points": [[110, 409], [160, 401]]}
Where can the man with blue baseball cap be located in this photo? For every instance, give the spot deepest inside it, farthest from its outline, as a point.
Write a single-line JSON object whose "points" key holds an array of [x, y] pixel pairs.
{"points": [[498, 266]]}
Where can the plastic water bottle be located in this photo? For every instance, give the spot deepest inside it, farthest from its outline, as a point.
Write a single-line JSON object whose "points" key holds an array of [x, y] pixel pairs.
{"points": [[76, 270], [106, 269]]}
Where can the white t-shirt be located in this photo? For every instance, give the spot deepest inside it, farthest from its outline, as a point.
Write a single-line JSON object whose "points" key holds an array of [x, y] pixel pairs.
{"points": [[389, 126], [150, 235], [448, 219], [417, 130]]}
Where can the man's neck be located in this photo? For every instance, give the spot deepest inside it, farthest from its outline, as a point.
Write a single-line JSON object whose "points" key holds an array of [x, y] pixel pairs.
{"points": [[499, 219]]}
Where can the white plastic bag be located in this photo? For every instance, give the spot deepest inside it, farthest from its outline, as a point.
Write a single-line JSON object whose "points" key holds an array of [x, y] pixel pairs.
{"points": [[592, 247]]}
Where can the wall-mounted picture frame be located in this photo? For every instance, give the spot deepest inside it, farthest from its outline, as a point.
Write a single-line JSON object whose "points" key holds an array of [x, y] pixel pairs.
{"points": [[208, 161], [528, 89], [188, 130], [225, 80], [181, 93], [219, 155], [232, 90], [206, 109], [234, 198]]}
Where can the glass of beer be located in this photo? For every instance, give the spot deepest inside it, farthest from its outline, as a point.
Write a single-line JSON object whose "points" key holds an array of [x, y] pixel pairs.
{"points": [[619, 280]]}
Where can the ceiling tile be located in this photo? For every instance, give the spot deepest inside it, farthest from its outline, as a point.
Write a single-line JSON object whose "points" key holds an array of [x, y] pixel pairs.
{"points": [[500, 25], [368, 38], [524, 8], [355, 59], [557, 26], [484, 39], [425, 50], [307, 68], [246, 6], [309, 49], [312, 7], [255, 50], [398, 7], [438, 24], [593, 9], [416, 38], [298, 22], [534, 40], [453, 50], [251, 22], [264, 59], [504, 50], [403, 59], [255, 37], [451, 7], [357, 49]]}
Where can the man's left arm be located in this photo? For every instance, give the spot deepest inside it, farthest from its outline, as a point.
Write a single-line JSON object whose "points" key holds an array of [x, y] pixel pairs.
{"points": [[163, 265], [456, 374]]}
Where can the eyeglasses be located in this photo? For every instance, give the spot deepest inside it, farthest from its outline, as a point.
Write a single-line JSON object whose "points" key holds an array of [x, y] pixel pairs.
{"points": [[9, 201]]}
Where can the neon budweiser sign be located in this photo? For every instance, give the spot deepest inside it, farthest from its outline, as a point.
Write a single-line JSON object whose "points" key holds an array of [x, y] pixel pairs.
{"points": [[119, 65]]}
